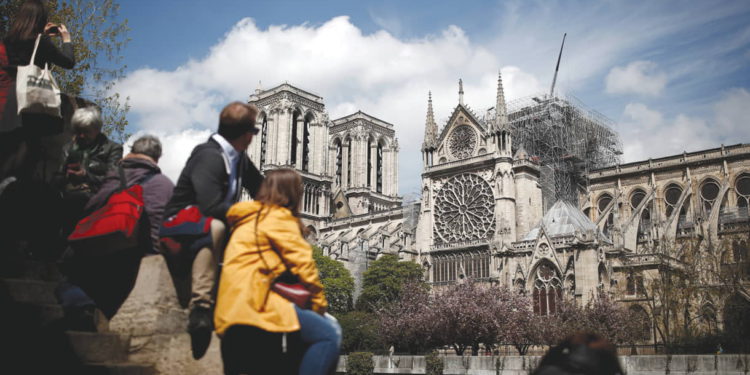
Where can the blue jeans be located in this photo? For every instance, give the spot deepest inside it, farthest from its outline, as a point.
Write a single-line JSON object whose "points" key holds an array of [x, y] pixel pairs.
{"points": [[322, 338]]}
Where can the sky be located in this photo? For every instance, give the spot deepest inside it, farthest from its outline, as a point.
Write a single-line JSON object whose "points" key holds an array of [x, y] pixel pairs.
{"points": [[674, 76]]}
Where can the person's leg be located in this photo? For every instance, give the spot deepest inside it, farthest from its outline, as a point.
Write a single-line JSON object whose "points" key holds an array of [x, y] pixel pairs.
{"points": [[321, 337], [250, 350], [205, 267], [204, 275]]}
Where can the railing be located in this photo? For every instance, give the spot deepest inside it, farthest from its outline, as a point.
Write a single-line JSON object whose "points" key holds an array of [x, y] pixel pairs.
{"points": [[458, 245]]}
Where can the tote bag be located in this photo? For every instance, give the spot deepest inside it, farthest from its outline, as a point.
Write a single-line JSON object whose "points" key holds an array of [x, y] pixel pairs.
{"points": [[36, 89]]}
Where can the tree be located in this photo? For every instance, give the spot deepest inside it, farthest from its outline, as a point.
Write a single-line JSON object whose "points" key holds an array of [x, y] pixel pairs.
{"points": [[360, 332], [384, 280], [98, 37], [411, 323], [338, 283]]}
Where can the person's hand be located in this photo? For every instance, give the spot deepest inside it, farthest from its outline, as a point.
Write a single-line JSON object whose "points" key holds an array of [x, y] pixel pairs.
{"points": [[80, 172], [64, 33], [51, 29]]}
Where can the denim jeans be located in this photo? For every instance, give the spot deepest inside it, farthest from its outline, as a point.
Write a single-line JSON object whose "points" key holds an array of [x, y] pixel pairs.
{"points": [[322, 338]]}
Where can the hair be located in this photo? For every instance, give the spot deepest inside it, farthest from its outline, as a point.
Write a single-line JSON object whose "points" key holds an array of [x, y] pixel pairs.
{"points": [[147, 145], [87, 117], [28, 22], [237, 119], [581, 353], [283, 187]]}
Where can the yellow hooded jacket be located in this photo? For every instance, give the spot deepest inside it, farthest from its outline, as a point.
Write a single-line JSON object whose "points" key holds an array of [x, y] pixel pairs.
{"points": [[244, 296]]}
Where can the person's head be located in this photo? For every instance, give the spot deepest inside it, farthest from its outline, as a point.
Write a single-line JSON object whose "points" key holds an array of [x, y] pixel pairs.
{"points": [[282, 187], [28, 22], [147, 145], [581, 353], [237, 123], [87, 124]]}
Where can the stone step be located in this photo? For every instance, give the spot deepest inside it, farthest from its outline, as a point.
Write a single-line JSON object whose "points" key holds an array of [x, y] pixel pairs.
{"points": [[97, 347], [30, 291], [118, 369]]}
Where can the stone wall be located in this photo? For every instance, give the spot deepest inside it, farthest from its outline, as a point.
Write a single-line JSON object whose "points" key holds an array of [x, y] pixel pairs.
{"points": [[727, 364]]}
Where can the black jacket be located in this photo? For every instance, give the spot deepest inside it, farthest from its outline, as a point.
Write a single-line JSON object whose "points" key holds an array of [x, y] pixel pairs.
{"points": [[205, 181], [97, 159]]}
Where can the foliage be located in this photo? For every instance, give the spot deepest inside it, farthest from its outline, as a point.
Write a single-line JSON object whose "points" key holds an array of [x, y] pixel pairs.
{"points": [[384, 280], [410, 323], [98, 37], [338, 283], [360, 332], [433, 364], [360, 363]]}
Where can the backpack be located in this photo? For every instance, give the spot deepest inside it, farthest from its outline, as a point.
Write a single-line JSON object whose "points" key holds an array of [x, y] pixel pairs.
{"points": [[115, 226]]}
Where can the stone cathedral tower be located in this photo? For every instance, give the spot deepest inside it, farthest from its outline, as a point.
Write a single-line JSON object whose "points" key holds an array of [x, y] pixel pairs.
{"points": [[477, 197]]}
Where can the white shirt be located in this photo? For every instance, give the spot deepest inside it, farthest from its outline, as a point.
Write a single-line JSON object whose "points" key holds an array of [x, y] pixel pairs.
{"points": [[232, 157]]}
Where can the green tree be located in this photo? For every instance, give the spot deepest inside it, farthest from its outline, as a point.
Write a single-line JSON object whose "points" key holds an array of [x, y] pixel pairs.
{"points": [[384, 280], [338, 283], [99, 37], [360, 332]]}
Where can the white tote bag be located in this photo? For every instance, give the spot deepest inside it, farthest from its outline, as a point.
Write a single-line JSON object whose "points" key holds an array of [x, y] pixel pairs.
{"points": [[36, 89]]}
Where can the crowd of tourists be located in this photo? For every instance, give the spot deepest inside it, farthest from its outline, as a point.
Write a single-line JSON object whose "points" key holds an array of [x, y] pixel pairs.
{"points": [[250, 272]]}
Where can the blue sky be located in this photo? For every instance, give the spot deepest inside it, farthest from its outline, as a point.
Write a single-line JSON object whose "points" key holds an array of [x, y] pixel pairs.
{"points": [[673, 75]]}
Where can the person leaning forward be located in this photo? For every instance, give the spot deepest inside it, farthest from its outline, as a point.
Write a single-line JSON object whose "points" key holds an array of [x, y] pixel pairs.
{"points": [[211, 181]]}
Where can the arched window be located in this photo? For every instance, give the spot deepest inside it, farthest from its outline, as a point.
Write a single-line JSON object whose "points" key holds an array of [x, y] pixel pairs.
{"points": [[672, 196], [519, 284], [742, 187], [709, 193], [379, 168], [348, 162], [294, 141], [306, 143], [603, 276], [339, 157], [601, 206], [707, 316], [369, 161], [547, 293], [634, 284], [644, 224], [641, 317], [263, 139], [736, 311]]}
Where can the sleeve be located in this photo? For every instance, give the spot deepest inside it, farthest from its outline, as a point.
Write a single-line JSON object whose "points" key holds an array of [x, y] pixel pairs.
{"points": [[109, 184], [208, 178], [251, 178], [64, 58], [286, 238], [157, 195], [112, 156]]}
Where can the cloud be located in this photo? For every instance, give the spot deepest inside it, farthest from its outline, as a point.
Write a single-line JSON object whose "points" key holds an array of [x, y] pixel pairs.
{"points": [[646, 133], [176, 148], [377, 73], [638, 77]]}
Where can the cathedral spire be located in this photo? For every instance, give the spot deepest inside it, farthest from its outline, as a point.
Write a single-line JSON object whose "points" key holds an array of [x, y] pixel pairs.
{"points": [[460, 91], [501, 111], [430, 127]]}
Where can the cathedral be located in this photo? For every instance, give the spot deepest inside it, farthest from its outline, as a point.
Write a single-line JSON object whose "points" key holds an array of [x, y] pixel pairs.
{"points": [[532, 198]]}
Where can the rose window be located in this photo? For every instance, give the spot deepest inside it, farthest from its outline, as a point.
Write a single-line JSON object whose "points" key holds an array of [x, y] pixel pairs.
{"points": [[462, 142], [464, 209]]}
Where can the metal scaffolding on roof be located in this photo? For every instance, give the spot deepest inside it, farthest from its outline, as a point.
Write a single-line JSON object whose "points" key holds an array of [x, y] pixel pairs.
{"points": [[566, 138]]}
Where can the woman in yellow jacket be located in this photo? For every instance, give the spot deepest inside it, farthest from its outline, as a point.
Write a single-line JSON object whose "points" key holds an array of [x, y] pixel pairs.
{"points": [[266, 241]]}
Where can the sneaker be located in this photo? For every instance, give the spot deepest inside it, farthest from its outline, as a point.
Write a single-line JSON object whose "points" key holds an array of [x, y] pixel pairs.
{"points": [[200, 328]]}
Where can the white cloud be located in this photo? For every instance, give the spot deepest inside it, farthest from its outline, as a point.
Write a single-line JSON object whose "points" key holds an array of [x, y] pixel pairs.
{"points": [[638, 77], [376, 73], [176, 148], [647, 134]]}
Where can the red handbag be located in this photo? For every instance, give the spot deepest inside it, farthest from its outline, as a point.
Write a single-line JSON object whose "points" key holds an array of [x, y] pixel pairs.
{"points": [[113, 227]]}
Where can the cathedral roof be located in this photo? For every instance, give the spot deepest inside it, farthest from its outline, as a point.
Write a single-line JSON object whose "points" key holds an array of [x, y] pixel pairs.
{"points": [[562, 219]]}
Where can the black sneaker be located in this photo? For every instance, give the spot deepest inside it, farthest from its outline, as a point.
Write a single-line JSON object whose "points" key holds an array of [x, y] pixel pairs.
{"points": [[200, 328]]}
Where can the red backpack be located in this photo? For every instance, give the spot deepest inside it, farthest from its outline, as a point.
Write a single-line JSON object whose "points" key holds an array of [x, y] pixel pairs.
{"points": [[113, 227]]}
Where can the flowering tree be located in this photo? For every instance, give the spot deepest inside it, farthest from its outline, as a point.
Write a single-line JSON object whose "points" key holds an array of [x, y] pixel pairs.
{"points": [[409, 323]]}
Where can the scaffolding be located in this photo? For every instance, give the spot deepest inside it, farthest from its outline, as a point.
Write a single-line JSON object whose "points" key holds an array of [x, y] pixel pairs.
{"points": [[566, 138]]}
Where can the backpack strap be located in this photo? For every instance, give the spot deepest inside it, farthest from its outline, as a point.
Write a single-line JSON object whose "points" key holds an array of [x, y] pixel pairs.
{"points": [[123, 181]]}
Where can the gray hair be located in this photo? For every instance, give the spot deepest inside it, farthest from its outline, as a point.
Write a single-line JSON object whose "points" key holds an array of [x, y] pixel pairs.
{"points": [[87, 117], [147, 145]]}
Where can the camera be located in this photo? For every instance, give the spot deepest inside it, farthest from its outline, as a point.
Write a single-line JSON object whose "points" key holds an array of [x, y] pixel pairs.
{"points": [[54, 30]]}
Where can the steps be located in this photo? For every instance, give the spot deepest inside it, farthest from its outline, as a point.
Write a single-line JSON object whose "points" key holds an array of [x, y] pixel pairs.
{"points": [[34, 340]]}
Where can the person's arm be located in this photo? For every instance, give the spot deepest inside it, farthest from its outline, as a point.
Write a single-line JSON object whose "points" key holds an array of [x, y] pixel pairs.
{"points": [[48, 52], [284, 234], [209, 178], [251, 177]]}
